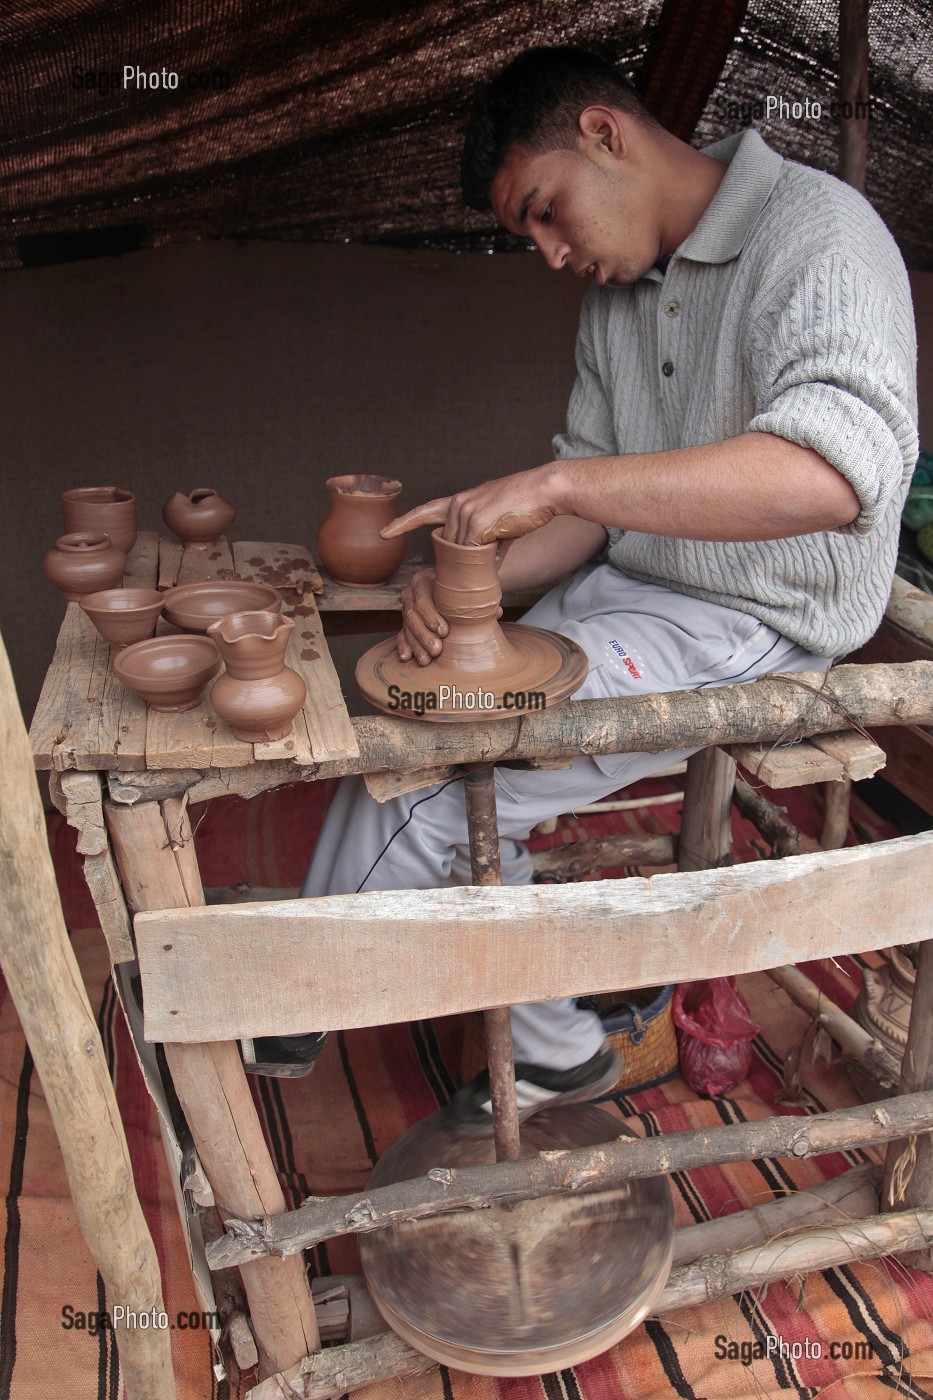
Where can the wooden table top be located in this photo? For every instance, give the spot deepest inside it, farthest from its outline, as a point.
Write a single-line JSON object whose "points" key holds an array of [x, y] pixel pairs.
{"points": [[86, 719]]}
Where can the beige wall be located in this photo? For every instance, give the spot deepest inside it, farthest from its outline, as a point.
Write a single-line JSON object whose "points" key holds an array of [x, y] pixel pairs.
{"points": [[262, 370]]}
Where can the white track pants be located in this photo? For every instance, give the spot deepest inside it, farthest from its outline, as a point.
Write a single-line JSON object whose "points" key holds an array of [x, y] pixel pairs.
{"points": [[640, 639]]}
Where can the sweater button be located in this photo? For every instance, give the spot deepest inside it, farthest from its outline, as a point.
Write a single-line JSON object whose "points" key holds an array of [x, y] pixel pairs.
{"points": [[672, 308], [667, 368]]}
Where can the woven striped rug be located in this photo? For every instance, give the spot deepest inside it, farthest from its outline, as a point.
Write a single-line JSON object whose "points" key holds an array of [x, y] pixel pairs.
{"points": [[326, 1132]]}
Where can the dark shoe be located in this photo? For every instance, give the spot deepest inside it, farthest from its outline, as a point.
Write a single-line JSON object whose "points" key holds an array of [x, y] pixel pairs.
{"points": [[470, 1109], [282, 1056]]}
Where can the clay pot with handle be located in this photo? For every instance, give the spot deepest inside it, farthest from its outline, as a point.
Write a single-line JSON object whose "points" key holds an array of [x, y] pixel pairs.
{"points": [[259, 695]]}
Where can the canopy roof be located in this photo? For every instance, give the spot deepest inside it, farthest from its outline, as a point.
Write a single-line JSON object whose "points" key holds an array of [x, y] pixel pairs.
{"points": [[342, 119]]}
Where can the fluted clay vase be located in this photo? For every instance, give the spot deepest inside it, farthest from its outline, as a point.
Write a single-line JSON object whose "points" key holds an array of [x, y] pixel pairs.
{"points": [[200, 518], [259, 695], [82, 563], [105, 510], [348, 543]]}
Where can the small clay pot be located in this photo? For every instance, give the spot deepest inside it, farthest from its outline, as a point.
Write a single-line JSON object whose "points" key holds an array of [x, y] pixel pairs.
{"points": [[124, 615], [84, 562], [348, 542], [259, 695], [168, 672], [103, 510], [200, 518]]}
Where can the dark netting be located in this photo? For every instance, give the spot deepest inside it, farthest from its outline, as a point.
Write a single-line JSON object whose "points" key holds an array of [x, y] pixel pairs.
{"points": [[330, 120]]}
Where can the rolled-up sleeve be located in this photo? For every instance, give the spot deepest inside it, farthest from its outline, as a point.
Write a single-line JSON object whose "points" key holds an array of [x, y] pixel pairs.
{"points": [[834, 369]]}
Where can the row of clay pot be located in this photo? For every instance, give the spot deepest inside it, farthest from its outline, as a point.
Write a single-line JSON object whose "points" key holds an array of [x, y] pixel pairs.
{"points": [[100, 530], [258, 695]]}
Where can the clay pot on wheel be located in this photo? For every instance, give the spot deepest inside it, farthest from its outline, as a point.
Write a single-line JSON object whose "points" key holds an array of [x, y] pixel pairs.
{"points": [[259, 696], [200, 518], [102, 510], [348, 543], [84, 562]]}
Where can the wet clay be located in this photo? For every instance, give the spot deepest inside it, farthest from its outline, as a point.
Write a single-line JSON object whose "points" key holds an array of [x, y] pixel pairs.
{"points": [[200, 518], [485, 670], [107, 510], [259, 695], [84, 562], [349, 544]]}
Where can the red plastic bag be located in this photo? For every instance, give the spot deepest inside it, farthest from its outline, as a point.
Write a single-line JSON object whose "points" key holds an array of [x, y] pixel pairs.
{"points": [[714, 1032]]}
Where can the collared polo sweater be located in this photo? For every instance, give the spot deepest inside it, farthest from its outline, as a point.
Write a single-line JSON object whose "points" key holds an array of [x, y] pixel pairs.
{"points": [[787, 310]]}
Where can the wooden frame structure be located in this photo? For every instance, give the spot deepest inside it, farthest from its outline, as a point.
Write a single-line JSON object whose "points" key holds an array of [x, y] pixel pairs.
{"points": [[124, 780]]}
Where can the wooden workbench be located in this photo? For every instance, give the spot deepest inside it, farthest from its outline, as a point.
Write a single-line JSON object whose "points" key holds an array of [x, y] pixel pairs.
{"points": [[142, 869]]}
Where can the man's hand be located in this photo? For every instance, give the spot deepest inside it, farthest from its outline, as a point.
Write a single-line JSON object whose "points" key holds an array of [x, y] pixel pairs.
{"points": [[504, 509], [422, 625]]}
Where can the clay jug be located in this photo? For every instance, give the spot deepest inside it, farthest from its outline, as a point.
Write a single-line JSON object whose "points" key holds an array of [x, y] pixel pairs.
{"points": [[259, 695], [84, 562], [103, 510], [200, 518], [348, 543]]}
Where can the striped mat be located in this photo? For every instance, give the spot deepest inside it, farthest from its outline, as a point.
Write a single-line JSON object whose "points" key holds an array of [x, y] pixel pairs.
{"points": [[326, 1132]]}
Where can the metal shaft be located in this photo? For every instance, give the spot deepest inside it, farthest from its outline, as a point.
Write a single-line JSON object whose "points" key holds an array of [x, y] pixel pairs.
{"points": [[479, 785]]}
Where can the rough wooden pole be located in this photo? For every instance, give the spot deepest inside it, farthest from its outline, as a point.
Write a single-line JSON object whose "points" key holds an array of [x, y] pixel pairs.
{"points": [[837, 797], [155, 855], [771, 821], [853, 92], [566, 1172], [705, 830], [48, 991], [479, 786], [856, 1043], [909, 1163]]}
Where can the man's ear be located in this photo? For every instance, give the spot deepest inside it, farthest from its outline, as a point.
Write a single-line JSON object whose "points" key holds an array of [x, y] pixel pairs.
{"points": [[602, 130]]}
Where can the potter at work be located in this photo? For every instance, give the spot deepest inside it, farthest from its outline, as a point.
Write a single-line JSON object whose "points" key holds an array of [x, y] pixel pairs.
{"points": [[726, 495]]}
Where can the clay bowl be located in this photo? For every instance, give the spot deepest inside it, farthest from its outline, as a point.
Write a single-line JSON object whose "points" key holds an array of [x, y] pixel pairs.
{"points": [[123, 615], [194, 606], [168, 672]]}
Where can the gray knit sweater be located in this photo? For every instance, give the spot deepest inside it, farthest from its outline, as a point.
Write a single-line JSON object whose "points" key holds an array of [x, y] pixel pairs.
{"points": [[787, 310]]}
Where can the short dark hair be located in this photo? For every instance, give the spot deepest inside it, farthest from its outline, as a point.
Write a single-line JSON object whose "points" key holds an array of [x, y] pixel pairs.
{"points": [[535, 102]]}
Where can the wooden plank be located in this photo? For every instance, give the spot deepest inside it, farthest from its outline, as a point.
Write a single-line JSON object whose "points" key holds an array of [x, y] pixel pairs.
{"points": [[860, 757], [288, 567], [102, 880], [142, 565], [170, 552], [356, 960], [85, 718], [792, 766], [196, 738], [337, 597], [330, 732], [199, 565]]}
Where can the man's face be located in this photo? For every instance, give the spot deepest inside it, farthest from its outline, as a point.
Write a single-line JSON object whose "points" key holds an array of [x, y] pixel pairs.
{"points": [[581, 209]]}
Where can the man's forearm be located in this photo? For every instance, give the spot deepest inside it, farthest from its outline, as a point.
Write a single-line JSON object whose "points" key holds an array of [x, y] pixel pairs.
{"points": [[545, 555], [753, 487]]}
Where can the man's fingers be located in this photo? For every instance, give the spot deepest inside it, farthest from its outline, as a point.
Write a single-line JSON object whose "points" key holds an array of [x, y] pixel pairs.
{"points": [[421, 595], [431, 513]]}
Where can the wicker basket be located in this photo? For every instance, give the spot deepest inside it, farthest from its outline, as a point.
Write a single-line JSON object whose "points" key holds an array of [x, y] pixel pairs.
{"points": [[638, 1025]]}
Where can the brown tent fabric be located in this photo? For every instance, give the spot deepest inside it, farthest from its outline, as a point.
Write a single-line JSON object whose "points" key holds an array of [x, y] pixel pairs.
{"points": [[336, 120]]}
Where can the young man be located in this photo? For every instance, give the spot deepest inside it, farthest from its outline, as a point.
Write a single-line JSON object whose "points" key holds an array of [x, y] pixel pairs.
{"points": [[740, 440]]}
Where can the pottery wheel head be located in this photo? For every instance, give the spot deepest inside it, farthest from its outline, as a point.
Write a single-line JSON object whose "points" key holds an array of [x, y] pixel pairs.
{"points": [[541, 669], [526, 1288]]}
